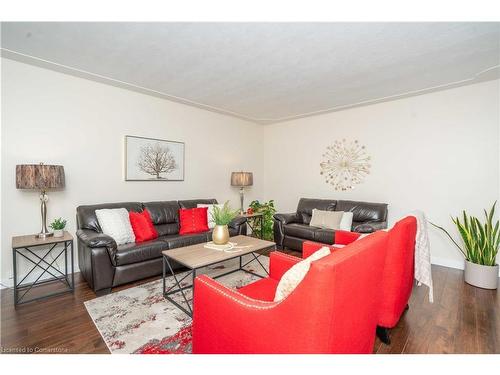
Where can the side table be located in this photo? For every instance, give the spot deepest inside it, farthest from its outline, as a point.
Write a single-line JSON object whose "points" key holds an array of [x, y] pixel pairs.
{"points": [[27, 247], [257, 224]]}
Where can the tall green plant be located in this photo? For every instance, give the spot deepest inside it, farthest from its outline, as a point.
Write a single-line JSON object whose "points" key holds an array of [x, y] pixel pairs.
{"points": [[223, 215], [481, 240], [268, 210]]}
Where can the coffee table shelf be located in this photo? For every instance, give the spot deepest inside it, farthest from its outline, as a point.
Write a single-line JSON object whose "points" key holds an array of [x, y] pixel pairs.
{"points": [[195, 257]]}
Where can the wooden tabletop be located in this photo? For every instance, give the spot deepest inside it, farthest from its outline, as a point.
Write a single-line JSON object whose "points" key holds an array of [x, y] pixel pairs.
{"points": [[196, 256], [255, 214], [32, 240]]}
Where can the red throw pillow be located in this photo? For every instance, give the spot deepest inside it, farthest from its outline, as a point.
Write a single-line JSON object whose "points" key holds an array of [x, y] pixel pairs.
{"points": [[142, 225], [344, 237], [193, 220]]}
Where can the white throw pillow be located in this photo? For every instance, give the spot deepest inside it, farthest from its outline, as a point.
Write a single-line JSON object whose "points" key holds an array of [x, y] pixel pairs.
{"points": [[326, 219], [211, 222], [115, 223], [296, 274], [346, 221]]}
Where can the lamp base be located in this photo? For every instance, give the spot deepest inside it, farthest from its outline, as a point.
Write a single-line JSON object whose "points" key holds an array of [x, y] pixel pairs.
{"points": [[44, 235]]}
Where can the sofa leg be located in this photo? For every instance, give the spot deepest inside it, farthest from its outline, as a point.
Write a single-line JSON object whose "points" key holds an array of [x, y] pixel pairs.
{"points": [[383, 335], [103, 292]]}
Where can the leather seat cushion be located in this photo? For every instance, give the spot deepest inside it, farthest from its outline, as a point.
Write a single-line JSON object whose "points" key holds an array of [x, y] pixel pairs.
{"points": [[325, 236], [163, 212], [364, 211], [300, 231], [176, 241], [306, 205], [262, 290], [139, 252]]}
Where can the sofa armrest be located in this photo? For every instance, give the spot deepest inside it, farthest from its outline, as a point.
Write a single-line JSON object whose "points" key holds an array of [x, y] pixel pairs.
{"points": [[286, 218], [370, 226], [310, 247], [237, 222], [278, 227], [94, 239], [279, 263]]}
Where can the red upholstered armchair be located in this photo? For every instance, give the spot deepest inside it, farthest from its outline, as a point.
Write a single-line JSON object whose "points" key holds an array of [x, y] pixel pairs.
{"points": [[333, 310], [397, 279], [396, 282]]}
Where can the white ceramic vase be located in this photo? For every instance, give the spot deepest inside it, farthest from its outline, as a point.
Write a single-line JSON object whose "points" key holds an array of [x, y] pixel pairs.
{"points": [[58, 232]]}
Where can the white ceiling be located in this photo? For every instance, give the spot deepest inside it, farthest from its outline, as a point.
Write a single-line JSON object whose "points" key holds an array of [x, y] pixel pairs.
{"points": [[265, 72]]}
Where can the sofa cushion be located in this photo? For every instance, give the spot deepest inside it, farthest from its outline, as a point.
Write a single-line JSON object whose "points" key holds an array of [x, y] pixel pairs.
{"points": [[115, 223], [86, 218], [346, 222], [296, 274], [326, 219], [325, 236], [364, 211], [178, 240], [167, 229], [163, 212], [193, 203], [193, 220], [306, 205], [139, 252], [142, 226], [300, 231]]}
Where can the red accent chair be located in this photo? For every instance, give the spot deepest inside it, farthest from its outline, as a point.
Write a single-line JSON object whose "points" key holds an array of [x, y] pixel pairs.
{"points": [[399, 272], [333, 310], [396, 283]]}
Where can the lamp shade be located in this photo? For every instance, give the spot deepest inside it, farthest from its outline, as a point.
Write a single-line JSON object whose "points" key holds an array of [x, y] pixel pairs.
{"points": [[39, 176], [241, 179]]}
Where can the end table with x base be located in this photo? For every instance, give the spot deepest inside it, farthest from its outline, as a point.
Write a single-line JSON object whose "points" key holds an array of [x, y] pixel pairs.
{"points": [[197, 256], [37, 251]]}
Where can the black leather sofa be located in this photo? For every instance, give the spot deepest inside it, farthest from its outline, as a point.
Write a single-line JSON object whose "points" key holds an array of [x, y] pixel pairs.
{"points": [[105, 265], [291, 230]]}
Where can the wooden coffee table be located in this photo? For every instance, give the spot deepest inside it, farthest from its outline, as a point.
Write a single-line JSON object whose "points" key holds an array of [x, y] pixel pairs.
{"points": [[197, 256]]}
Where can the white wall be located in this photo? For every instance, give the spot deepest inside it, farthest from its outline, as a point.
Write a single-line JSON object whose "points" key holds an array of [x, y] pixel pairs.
{"points": [[437, 152], [61, 119]]}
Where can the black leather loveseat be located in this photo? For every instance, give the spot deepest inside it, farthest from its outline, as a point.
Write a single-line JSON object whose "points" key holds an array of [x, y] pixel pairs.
{"points": [[105, 265], [291, 230]]}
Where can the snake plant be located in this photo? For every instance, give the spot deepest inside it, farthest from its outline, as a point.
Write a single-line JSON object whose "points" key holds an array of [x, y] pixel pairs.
{"points": [[481, 241]]}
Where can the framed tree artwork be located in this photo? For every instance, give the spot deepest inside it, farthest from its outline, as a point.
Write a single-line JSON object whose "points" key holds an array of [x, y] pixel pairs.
{"points": [[150, 159]]}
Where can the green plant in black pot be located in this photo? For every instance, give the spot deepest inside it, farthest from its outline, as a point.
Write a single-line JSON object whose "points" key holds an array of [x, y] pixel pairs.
{"points": [[268, 210]]}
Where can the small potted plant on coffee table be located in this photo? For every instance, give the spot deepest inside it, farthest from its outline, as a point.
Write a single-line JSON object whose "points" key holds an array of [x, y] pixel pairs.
{"points": [[58, 226], [222, 217]]}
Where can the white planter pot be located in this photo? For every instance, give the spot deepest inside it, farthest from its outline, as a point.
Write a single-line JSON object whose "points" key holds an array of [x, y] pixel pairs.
{"points": [[58, 232], [485, 277]]}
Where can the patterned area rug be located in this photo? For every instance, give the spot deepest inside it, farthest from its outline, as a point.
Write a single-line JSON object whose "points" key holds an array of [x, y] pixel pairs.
{"points": [[140, 320]]}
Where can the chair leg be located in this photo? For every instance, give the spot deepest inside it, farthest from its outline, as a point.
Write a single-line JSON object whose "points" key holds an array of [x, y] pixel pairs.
{"points": [[383, 335]]}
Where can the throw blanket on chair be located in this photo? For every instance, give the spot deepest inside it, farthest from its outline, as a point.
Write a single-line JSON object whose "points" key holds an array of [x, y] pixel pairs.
{"points": [[423, 271]]}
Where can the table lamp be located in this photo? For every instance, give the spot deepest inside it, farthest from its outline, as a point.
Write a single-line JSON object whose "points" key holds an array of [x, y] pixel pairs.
{"points": [[40, 177], [242, 179]]}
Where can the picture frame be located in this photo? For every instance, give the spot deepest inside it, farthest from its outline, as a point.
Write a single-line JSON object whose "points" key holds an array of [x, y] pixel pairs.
{"points": [[153, 159]]}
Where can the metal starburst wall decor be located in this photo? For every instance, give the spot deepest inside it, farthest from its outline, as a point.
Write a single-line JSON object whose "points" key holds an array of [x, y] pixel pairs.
{"points": [[345, 164]]}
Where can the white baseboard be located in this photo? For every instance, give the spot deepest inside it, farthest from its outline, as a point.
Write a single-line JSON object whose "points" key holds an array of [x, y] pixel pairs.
{"points": [[450, 263]]}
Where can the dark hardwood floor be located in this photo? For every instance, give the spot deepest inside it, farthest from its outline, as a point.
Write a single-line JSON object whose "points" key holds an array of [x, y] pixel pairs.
{"points": [[462, 319]]}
